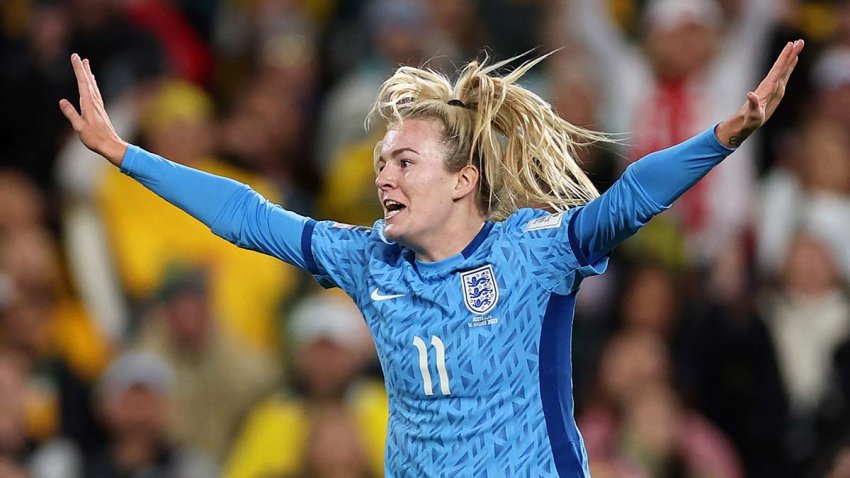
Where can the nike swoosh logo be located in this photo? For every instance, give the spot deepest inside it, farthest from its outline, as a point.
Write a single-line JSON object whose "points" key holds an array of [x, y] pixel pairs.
{"points": [[378, 297]]}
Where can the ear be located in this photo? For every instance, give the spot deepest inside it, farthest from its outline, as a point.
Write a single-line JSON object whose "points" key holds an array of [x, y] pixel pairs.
{"points": [[466, 182]]}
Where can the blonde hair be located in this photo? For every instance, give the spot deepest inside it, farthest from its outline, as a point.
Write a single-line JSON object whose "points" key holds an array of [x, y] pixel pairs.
{"points": [[525, 152]]}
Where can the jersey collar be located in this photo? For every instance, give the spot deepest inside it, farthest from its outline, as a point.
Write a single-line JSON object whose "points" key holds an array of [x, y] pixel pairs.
{"points": [[450, 262], [477, 240]]}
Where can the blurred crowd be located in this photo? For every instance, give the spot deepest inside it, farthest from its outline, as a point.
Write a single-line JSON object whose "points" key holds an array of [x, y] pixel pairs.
{"points": [[134, 343]]}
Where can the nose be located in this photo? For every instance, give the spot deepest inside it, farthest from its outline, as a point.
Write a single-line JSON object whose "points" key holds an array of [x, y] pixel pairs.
{"points": [[385, 179]]}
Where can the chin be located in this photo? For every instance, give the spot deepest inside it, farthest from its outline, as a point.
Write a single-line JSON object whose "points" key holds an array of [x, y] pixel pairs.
{"points": [[391, 232], [395, 234]]}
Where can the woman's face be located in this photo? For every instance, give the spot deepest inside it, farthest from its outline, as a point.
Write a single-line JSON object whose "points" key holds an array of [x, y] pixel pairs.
{"points": [[680, 50], [826, 157], [650, 301], [810, 267], [415, 190]]}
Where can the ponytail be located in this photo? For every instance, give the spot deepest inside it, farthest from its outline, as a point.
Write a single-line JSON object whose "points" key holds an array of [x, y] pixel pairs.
{"points": [[526, 154]]}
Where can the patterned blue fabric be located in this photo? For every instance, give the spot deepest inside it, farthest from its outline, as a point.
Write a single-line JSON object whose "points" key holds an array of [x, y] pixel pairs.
{"points": [[492, 410]]}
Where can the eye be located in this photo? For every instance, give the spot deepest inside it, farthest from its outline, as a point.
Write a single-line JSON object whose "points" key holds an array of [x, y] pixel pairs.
{"points": [[405, 163]]}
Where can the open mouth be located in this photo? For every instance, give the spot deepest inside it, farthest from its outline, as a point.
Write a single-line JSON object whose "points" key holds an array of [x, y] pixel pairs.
{"points": [[392, 208]]}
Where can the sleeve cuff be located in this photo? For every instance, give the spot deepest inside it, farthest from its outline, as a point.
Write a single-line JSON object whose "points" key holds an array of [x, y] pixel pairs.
{"points": [[715, 142], [128, 162]]}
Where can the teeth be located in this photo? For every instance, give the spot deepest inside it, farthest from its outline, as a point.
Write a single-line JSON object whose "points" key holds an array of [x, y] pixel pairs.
{"points": [[392, 213]]}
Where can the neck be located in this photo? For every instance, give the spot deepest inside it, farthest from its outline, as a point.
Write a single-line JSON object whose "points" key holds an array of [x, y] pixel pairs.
{"points": [[135, 452], [452, 238]]}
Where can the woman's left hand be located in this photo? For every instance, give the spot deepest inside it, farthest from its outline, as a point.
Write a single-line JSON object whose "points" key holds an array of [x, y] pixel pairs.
{"points": [[762, 102]]}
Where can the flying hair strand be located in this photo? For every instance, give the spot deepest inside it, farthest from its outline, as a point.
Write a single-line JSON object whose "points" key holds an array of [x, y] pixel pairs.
{"points": [[525, 152]]}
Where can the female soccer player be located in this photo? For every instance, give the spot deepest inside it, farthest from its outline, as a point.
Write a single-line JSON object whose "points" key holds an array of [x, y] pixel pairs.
{"points": [[471, 317]]}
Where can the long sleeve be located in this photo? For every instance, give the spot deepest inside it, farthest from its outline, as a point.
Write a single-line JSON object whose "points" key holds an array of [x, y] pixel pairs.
{"points": [[646, 188], [230, 209]]}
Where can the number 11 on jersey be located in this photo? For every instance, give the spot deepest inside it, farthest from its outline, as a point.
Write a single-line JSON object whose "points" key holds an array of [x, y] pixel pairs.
{"points": [[440, 349]]}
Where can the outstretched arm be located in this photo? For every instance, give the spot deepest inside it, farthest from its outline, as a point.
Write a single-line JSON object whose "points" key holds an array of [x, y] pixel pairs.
{"points": [[231, 209], [650, 185]]}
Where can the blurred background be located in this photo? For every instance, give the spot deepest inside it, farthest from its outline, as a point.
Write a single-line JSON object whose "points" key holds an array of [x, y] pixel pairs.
{"points": [[135, 343]]}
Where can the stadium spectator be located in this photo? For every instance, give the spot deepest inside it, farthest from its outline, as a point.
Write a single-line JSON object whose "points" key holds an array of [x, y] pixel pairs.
{"points": [[20, 455], [188, 55], [334, 447], [133, 403], [247, 290], [680, 79], [841, 465], [128, 57], [22, 206], [14, 446], [265, 133], [808, 316], [460, 33], [217, 376], [831, 80], [63, 350], [400, 35], [638, 424], [812, 193], [574, 87], [336, 422]]}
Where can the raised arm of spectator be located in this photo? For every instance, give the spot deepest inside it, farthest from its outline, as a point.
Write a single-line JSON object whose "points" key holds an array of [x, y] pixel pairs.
{"points": [[594, 26], [650, 185]]}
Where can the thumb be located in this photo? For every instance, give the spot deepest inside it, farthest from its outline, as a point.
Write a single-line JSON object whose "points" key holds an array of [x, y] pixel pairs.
{"points": [[71, 113], [753, 100]]}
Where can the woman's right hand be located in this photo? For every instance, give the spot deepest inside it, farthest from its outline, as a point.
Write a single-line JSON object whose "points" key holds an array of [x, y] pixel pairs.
{"points": [[92, 123]]}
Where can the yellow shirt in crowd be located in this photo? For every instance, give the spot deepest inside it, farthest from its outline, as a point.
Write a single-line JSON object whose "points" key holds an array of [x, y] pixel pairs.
{"points": [[148, 235], [272, 442]]}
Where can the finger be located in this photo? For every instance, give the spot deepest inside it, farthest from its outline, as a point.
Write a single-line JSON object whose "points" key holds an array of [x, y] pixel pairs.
{"points": [[781, 62], [798, 47], [773, 77], [753, 99], [794, 49], [82, 81], [790, 70], [71, 113], [793, 56], [79, 73], [753, 104], [96, 89], [92, 82], [781, 69]]}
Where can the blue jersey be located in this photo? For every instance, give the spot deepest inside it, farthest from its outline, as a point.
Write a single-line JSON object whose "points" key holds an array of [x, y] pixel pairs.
{"points": [[475, 348]]}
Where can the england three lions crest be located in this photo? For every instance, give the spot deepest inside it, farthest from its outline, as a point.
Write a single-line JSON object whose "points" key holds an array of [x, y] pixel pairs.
{"points": [[480, 290]]}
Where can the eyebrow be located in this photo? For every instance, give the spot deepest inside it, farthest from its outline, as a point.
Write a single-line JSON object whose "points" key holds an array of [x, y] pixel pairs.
{"points": [[399, 151]]}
